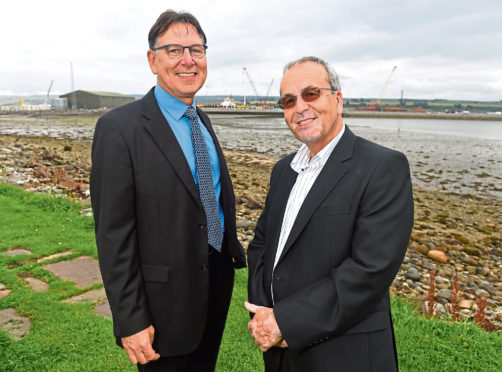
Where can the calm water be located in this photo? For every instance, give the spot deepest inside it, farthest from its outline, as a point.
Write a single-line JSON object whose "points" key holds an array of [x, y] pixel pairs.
{"points": [[451, 155]]}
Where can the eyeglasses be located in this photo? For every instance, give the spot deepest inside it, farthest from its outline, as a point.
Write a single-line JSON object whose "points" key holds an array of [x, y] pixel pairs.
{"points": [[175, 51], [308, 95]]}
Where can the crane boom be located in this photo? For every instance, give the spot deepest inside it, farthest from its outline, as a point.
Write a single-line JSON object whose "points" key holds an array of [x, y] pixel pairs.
{"points": [[384, 88], [251, 82]]}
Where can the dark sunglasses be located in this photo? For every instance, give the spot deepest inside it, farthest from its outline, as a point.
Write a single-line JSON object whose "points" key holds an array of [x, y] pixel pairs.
{"points": [[308, 95]]}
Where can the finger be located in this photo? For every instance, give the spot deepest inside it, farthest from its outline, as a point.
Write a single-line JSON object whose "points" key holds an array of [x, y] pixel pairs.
{"points": [[149, 353], [132, 356], [250, 307], [141, 357]]}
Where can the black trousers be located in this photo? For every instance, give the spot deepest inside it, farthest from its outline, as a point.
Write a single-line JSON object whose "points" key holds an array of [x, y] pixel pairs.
{"points": [[204, 357]]}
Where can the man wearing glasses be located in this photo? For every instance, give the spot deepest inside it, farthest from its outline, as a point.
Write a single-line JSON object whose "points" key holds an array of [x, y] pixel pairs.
{"points": [[330, 240], [164, 210]]}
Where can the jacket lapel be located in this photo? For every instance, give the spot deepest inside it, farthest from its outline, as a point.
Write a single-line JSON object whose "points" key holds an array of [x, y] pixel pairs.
{"points": [[332, 172], [286, 182], [162, 134]]}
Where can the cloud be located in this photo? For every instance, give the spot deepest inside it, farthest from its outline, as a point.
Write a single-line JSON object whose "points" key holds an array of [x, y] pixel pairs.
{"points": [[443, 48]]}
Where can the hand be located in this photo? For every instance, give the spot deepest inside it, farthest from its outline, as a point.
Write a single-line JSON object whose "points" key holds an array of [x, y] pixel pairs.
{"points": [[264, 328], [139, 346]]}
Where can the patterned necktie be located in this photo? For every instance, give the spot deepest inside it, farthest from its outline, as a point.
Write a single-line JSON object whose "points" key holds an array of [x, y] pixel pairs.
{"points": [[205, 177]]}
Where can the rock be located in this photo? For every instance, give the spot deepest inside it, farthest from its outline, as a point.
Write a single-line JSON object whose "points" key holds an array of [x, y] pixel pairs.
{"points": [[36, 285], [16, 326], [89, 296], [422, 248], [488, 287], [103, 308], [483, 271], [465, 304], [16, 252], [438, 308], [2, 286], [4, 292], [53, 256], [437, 256], [482, 292], [413, 274], [246, 224], [444, 293], [252, 204]]}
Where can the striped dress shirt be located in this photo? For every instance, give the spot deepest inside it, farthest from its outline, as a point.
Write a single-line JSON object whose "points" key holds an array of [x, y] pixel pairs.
{"points": [[308, 170]]}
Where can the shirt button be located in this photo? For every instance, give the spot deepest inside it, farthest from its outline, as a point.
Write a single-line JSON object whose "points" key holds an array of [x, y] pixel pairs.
{"points": [[203, 267], [202, 226]]}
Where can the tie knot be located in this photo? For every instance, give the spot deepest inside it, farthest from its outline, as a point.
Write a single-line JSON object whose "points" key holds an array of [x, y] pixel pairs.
{"points": [[191, 113]]}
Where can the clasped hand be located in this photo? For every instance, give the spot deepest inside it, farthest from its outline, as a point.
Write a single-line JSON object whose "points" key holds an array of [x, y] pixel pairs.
{"points": [[264, 328]]}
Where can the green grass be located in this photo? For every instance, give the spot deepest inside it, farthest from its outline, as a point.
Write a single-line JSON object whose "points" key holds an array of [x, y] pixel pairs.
{"points": [[70, 337]]}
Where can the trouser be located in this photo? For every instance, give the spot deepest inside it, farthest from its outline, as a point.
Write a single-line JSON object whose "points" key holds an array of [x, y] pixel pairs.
{"points": [[204, 357]]}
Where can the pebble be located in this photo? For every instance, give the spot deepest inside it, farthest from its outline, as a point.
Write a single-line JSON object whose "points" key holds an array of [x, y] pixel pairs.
{"points": [[437, 255], [413, 274]]}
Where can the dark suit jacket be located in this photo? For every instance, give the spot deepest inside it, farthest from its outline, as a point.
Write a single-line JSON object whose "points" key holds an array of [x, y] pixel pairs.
{"points": [[151, 226], [344, 250]]}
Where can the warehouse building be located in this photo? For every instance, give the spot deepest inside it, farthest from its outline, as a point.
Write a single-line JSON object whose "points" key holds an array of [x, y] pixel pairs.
{"points": [[88, 99]]}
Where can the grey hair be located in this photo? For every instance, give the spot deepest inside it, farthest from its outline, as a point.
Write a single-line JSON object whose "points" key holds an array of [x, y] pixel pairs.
{"points": [[333, 80]]}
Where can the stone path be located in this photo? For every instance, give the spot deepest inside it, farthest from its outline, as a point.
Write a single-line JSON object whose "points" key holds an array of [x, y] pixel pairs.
{"points": [[83, 271], [16, 326]]}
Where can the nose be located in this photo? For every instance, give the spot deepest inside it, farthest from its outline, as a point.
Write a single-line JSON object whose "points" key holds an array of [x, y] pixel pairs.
{"points": [[300, 105], [186, 58]]}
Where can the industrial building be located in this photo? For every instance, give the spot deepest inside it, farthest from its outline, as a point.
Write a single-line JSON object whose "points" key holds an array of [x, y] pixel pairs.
{"points": [[88, 99]]}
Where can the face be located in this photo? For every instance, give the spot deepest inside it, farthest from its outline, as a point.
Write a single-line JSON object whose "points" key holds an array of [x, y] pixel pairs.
{"points": [[314, 123], [183, 77]]}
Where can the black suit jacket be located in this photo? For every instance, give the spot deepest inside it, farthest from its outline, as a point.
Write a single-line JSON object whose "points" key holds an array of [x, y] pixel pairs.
{"points": [[344, 250], [151, 226]]}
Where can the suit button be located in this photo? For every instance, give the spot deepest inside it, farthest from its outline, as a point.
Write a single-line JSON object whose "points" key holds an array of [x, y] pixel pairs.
{"points": [[203, 267], [202, 226]]}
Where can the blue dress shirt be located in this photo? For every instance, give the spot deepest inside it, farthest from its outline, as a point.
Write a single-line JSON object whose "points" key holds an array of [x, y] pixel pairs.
{"points": [[173, 110]]}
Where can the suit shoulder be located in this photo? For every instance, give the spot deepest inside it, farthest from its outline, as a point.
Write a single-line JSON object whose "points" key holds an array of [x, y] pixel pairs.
{"points": [[123, 112], [373, 151]]}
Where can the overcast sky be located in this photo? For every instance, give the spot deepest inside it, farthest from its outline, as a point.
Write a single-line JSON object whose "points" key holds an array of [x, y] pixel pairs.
{"points": [[443, 49]]}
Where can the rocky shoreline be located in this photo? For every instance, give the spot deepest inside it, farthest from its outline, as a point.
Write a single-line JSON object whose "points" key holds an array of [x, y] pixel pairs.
{"points": [[454, 234]]}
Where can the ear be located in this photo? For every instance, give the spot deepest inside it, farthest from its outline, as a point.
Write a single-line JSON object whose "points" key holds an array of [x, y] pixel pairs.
{"points": [[152, 61], [339, 100]]}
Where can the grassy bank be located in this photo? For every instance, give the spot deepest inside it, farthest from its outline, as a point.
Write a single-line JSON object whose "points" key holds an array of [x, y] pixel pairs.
{"points": [[70, 337]]}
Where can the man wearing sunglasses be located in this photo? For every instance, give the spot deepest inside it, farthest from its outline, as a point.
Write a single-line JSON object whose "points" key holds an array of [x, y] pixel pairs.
{"points": [[332, 236], [165, 211]]}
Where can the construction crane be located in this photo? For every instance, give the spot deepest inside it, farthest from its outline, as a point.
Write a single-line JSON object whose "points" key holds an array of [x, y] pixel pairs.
{"points": [[251, 82], [48, 91], [375, 106], [269, 87]]}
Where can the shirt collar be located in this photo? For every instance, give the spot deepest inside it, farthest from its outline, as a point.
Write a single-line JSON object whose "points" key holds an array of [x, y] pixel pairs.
{"points": [[302, 160], [169, 103]]}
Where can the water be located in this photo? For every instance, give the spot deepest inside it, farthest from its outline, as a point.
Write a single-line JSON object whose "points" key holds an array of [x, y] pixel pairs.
{"points": [[450, 155]]}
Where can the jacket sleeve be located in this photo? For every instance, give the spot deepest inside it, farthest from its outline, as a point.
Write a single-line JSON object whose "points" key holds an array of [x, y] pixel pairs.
{"points": [[113, 203], [258, 294], [381, 233]]}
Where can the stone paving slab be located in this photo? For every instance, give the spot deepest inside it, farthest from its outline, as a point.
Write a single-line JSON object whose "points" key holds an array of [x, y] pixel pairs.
{"points": [[90, 296], [2, 286], [84, 271], [53, 256], [103, 308], [36, 285], [16, 252], [4, 292], [16, 326]]}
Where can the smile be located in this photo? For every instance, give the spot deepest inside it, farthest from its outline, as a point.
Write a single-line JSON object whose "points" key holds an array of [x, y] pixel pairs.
{"points": [[186, 74], [305, 122]]}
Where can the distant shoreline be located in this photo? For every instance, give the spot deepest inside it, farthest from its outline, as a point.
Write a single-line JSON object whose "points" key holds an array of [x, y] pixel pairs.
{"points": [[279, 113]]}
